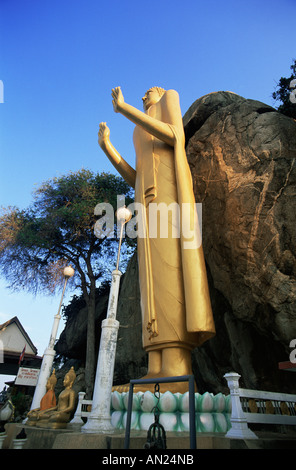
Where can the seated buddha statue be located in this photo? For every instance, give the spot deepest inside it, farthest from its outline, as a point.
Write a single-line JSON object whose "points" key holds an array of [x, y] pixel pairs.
{"points": [[47, 401], [58, 416]]}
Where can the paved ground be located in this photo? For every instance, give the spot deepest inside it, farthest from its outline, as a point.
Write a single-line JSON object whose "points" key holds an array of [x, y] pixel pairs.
{"points": [[67, 439]]}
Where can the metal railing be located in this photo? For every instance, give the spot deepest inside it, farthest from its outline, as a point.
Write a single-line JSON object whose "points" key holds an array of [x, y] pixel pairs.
{"points": [[182, 378]]}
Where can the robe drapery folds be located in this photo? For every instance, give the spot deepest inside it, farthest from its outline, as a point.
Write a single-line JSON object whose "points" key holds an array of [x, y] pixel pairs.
{"points": [[48, 400], [175, 299]]}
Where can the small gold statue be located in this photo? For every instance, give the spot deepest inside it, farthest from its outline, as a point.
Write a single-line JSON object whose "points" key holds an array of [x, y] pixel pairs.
{"points": [[47, 401], [58, 416]]}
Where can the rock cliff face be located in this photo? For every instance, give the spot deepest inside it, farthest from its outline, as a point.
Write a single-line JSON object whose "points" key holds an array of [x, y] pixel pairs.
{"points": [[242, 158]]}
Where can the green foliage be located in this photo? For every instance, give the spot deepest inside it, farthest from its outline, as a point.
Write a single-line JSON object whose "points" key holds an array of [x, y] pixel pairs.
{"points": [[283, 94], [58, 229], [21, 403]]}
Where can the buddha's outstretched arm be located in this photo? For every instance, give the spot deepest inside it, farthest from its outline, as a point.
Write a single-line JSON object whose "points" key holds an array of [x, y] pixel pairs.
{"points": [[157, 128], [123, 168]]}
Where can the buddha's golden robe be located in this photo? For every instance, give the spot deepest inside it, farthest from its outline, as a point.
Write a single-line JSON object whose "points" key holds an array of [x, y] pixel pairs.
{"points": [[175, 302]]}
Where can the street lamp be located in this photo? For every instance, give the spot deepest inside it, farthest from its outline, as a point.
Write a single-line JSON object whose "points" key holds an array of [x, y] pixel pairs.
{"points": [[99, 419], [123, 215], [49, 353]]}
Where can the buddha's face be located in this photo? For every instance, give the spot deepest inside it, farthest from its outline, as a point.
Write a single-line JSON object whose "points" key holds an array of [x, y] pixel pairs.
{"points": [[67, 381], [50, 384], [151, 97]]}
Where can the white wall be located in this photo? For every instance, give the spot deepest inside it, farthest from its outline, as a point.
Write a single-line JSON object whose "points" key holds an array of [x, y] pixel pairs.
{"points": [[13, 340]]}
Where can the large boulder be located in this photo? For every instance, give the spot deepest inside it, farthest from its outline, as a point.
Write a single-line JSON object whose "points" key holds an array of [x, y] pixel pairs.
{"points": [[72, 341], [242, 157], [131, 359]]}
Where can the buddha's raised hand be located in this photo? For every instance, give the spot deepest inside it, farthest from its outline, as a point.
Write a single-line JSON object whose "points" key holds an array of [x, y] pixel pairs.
{"points": [[103, 134], [118, 99]]}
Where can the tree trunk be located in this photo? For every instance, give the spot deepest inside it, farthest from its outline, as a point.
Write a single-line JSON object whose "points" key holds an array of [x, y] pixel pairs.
{"points": [[90, 343]]}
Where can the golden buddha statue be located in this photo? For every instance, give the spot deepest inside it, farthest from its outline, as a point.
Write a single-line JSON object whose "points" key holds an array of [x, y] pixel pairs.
{"points": [[47, 401], [175, 302], [58, 416]]}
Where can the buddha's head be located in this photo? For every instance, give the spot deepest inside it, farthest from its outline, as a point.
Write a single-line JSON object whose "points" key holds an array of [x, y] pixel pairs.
{"points": [[152, 96], [51, 383], [69, 378]]}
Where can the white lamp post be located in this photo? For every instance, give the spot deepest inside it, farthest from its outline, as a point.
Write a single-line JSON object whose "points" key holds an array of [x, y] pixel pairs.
{"points": [[49, 353], [99, 419]]}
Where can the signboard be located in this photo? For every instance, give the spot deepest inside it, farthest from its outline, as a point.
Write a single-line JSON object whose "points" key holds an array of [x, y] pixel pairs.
{"points": [[27, 376]]}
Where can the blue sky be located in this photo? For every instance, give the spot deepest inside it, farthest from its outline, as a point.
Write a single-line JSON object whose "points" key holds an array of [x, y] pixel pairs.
{"points": [[59, 60]]}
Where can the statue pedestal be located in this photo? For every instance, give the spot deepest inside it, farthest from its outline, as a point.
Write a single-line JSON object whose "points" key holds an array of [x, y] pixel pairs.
{"points": [[212, 413]]}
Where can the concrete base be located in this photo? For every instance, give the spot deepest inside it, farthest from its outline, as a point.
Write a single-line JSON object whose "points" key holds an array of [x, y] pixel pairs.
{"points": [[36, 438], [67, 439], [174, 442]]}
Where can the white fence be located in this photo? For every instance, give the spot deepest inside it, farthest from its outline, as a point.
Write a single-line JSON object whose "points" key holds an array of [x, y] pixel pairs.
{"points": [[255, 406], [83, 409], [247, 406]]}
